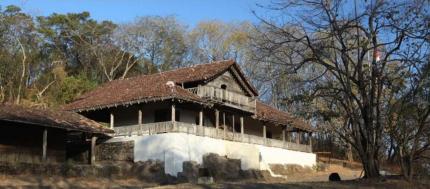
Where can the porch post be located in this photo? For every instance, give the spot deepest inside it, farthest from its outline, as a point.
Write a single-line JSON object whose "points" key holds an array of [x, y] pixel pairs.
{"points": [[112, 120], [139, 120], [232, 124], [216, 119], [298, 137], [223, 122], [173, 118], [242, 131], [283, 134], [201, 118], [44, 145], [93, 150], [264, 133]]}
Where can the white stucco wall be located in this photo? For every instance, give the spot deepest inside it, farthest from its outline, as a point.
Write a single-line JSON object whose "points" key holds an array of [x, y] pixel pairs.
{"points": [[175, 148]]}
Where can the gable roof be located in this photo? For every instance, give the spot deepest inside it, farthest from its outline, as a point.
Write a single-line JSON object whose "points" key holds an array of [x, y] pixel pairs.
{"points": [[268, 113], [153, 87], [51, 118]]}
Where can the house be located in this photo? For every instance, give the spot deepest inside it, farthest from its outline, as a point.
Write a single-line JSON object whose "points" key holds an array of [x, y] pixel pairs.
{"points": [[183, 114], [36, 135]]}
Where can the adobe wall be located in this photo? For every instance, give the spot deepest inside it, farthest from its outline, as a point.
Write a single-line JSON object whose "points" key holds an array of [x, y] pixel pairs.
{"points": [[175, 148]]}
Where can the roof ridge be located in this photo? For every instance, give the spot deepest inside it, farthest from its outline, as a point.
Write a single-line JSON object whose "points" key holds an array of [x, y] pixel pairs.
{"points": [[168, 71]]}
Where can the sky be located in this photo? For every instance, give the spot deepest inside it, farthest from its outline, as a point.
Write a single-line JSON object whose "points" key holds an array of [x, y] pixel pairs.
{"points": [[189, 12]]}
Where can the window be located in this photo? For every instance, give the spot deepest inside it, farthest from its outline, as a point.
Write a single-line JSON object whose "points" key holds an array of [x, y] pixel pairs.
{"points": [[223, 86]]}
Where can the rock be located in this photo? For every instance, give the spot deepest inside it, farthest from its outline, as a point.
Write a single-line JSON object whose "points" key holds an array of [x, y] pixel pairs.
{"points": [[334, 177]]}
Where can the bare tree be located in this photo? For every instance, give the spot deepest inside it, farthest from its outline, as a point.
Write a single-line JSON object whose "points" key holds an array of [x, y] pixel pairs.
{"points": [[353, 57]]}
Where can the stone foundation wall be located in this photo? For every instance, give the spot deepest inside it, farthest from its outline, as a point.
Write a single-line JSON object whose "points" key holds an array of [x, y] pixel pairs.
{"points": [[115, 151], [219, 167]]}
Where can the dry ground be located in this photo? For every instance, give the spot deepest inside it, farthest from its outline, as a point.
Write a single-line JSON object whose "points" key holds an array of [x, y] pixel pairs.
{"points": [[302, 181]]}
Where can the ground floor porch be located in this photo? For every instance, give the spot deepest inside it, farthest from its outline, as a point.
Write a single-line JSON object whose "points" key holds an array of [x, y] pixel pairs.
{"points": [[204, 131]]}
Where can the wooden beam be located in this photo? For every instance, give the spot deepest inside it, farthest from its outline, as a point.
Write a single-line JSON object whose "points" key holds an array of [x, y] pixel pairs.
{"points": [[44, 145], [93, 150], [216, 119], [112, 120], [298, 137]]}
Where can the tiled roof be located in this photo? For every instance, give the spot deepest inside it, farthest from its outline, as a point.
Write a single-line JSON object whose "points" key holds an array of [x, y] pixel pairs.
{"points": [[154, 87], [50, 118], [270, 114], [151, 87]]}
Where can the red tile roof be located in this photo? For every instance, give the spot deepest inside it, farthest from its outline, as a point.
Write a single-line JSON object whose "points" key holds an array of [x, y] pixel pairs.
{"points": [[154, 87], [270, 114], [151, 87], [51, 118]]}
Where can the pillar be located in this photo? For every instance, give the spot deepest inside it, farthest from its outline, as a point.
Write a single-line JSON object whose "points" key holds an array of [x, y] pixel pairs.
{"points": [[173, 111], [264, 133], [140, 118], [216, 119], [223, 122], [298, 137], [242, 131], [201, 118], [112, 119], [44, 145], [93, 150], [232, 124], [283, 134]]}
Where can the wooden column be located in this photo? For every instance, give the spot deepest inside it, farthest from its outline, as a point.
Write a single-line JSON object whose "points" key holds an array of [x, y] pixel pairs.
{"points": [[216, 119], [298, 137], [223, 122], [112, 119], [44, 145], [173, 111], [93, 150], [242, 131], [201, 118], [140, 118], [283, 134], [264, 133], [232, 124]]}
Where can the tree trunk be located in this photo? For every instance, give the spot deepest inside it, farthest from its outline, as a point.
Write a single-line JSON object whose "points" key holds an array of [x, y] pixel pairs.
{"points": [[370, 166]]}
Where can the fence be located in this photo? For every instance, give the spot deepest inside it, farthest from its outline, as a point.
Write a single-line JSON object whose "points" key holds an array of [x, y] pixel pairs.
{"points": [[225, 96], [181, 127]]}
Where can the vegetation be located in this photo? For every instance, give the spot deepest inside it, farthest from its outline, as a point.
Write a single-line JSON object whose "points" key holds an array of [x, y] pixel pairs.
{"points": [[362, 76]]}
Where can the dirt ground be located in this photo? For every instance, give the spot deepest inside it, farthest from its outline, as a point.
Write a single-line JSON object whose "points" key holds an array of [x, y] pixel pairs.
{"points": [[302, 181]]}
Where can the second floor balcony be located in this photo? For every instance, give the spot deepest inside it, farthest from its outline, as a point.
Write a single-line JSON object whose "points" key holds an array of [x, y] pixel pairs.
{"points": [[225, 97]]}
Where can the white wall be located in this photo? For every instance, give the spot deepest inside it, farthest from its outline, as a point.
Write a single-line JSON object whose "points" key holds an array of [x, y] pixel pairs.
{"points": [[175, 148]]}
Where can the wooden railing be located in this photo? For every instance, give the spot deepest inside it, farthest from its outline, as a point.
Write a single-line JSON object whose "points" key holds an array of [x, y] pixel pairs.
{"points": [[224, 96], [181, 127]]}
